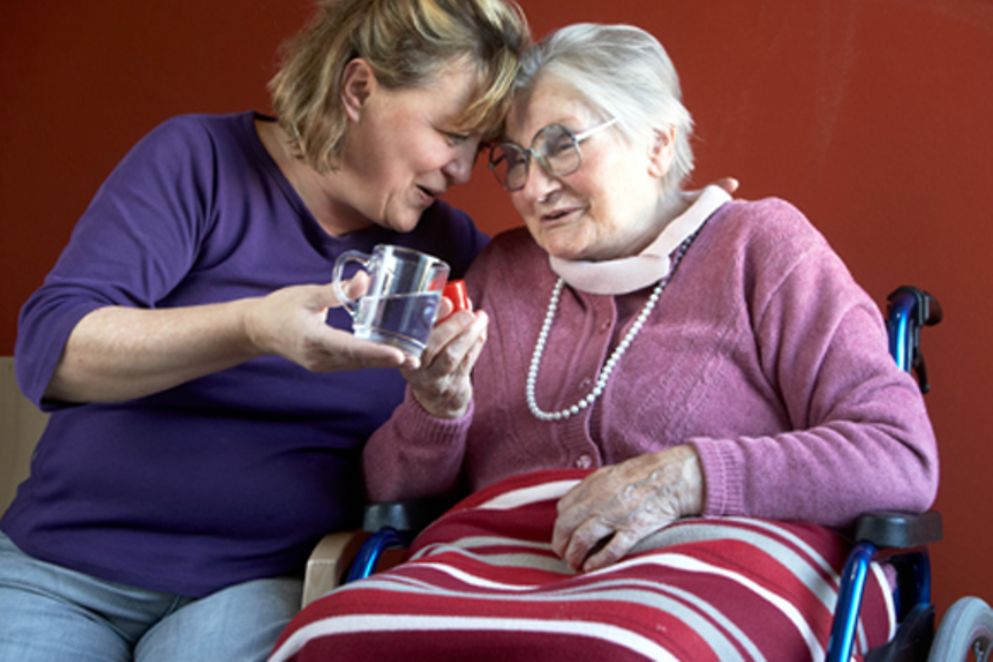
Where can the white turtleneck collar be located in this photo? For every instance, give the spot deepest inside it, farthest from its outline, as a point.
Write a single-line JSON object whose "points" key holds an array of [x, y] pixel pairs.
{"points": [[629, 274]]}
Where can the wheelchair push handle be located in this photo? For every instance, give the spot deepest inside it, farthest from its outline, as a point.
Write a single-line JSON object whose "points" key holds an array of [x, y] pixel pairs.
{"points": [[908, 309]]}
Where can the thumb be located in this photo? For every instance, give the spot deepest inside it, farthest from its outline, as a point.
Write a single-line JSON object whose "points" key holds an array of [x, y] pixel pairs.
{"points": [[352, 289], [445, 309]]}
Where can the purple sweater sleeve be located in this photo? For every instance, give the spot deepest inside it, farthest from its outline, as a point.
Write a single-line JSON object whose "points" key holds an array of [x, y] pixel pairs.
{"points": [[134, 243]]}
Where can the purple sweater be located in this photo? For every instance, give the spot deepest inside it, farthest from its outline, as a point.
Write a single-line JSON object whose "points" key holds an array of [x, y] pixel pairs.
{"points": [[235, 475], [762, 353]]}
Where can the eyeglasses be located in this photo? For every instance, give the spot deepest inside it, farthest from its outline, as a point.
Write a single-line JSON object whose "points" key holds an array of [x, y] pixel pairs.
{"points": [[554, 147]]}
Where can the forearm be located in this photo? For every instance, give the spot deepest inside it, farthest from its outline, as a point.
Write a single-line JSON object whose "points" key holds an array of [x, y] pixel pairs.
{"points": [[862, 439], [117, 353], [828, 474], [415, 454]]}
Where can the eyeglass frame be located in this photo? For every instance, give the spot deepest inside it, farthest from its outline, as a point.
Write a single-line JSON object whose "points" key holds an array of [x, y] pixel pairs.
{"points": [[530, 153]]}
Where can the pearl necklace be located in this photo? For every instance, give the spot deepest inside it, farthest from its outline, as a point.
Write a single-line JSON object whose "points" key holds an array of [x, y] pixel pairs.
{"points": [[608, 367]]}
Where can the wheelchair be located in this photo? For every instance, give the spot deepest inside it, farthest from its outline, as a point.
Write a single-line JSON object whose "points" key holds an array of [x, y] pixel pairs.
{"points": [[899, 538]]}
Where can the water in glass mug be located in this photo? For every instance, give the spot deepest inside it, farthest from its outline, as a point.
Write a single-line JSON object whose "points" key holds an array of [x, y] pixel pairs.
{"points": [[398, 320]]}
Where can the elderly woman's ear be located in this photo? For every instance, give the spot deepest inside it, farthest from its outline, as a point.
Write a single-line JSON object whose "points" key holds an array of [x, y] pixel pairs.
{"points": [[662, 151]]}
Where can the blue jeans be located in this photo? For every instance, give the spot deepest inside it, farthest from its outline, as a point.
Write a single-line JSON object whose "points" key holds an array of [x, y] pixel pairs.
{"points": [[49, 613]]}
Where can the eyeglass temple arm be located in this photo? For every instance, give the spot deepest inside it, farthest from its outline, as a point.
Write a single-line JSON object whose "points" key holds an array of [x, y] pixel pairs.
{"points": [[580, 137]]}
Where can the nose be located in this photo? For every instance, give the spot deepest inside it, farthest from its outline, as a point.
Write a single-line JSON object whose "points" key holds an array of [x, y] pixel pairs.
{"points": [[459, 167], [539, 185]]}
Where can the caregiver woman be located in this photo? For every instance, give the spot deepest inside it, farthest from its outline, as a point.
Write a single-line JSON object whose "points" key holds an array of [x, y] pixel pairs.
{"points": [[208, 400]]}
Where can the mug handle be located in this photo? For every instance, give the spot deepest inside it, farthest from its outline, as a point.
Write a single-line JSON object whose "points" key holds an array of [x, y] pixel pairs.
{"points": [[336, 273]]}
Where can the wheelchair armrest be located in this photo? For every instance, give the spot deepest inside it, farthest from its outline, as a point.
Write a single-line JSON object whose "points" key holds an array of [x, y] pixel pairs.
{"points": [[391, 525], [408, 516], [882, 531], [897, 530], [328, 562]]}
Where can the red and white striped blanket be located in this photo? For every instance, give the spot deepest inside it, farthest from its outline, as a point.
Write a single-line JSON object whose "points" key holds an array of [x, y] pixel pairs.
{"points": [[482, 583]]}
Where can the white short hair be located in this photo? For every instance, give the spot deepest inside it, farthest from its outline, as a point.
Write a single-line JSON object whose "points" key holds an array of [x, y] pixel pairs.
{"points": [[620, 71]]}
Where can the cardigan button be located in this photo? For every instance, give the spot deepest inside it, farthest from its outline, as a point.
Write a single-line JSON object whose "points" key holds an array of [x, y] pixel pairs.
{"points": [[584, 461]]}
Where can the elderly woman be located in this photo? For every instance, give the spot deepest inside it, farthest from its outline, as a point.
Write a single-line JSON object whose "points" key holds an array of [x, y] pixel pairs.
{"points": [[651, 359], [208, 413]]}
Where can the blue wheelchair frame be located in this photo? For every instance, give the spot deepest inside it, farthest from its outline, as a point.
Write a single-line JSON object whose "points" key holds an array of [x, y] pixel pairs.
{"points": [[394, 524], [391, 524]]}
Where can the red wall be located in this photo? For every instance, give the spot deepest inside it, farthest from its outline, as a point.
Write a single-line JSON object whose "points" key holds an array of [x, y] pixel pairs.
{"points": [[875, 118]]}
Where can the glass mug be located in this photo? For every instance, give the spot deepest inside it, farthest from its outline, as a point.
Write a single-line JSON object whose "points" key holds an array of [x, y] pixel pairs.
{"points": [[405, 289]]}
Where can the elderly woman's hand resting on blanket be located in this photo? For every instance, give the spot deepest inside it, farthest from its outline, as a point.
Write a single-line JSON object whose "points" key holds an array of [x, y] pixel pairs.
{"points": [[613, 509]]}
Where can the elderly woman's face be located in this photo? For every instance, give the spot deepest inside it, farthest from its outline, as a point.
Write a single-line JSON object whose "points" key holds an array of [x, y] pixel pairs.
{"points": [[403, 150], [607, 208]]}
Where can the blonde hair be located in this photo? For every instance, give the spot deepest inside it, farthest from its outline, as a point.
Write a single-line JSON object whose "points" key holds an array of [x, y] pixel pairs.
{"points": [[406, 43]]}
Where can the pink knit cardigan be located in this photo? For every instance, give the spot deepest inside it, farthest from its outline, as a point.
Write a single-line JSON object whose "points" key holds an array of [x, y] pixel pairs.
{"points": [[762, 353]]}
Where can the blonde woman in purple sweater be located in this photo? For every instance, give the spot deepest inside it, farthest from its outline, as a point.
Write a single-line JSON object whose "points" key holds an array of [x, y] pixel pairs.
{"points": [[682, 357], [208, 400]]}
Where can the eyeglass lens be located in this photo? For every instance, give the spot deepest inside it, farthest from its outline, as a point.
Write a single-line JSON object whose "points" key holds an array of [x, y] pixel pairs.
{"points": [[554, 147]]}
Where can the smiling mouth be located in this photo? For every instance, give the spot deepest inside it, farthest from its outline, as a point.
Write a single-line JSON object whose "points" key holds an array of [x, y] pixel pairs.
{"points": [[558, 214], [428, 192]]}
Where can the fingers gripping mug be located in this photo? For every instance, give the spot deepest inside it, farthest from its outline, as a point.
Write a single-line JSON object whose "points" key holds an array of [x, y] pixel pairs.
{"points": [[399, 307]]}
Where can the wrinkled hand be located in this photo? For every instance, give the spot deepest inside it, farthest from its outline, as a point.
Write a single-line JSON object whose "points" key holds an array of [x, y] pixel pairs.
{"points": [[442, 384], [603, 517], [291, 322]]}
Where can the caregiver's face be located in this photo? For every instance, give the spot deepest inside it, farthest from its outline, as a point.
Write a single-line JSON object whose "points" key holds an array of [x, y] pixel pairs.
{"points": [[402, 148]]}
